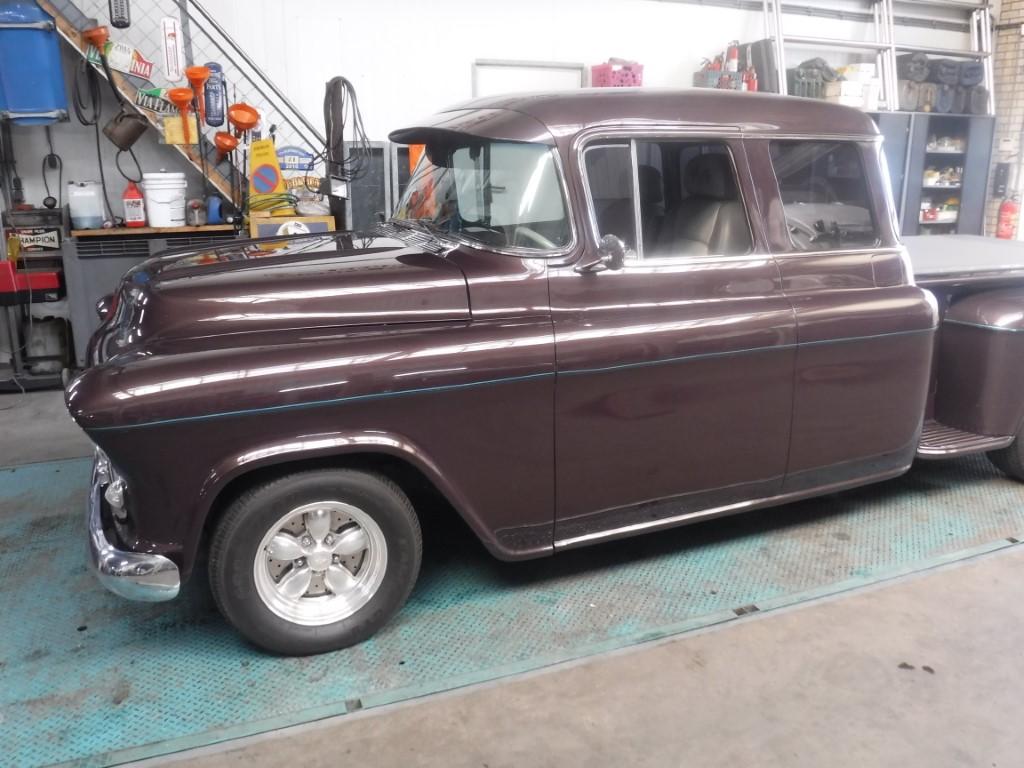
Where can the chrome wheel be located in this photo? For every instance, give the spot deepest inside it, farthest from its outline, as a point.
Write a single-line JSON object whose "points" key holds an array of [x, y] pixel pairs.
{"points": [[320, 563]]}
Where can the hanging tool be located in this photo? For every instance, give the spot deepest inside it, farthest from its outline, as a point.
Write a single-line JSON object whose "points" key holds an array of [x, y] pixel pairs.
{"points": [[244, 118], [341, 107], [182, 99], [52, 162], [197, 77], [226, 143]]}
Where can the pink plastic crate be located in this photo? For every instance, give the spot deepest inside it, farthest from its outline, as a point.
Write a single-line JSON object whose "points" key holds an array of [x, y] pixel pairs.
{"points": [[616, 75]]}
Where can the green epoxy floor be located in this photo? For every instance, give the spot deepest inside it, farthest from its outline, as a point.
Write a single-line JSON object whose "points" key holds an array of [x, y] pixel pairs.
{"points": [[91, 679]]}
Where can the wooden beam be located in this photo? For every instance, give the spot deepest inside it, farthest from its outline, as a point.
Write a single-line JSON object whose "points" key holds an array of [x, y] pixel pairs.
{"points": [[120, 231]]}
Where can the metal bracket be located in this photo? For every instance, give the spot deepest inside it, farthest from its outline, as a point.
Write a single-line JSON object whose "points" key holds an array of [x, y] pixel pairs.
{"points": [[53, 114], [45, 25]]}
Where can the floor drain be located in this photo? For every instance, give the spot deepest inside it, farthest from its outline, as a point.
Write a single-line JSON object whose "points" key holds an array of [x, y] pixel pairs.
{"points": [[1013, 540], [745, 609]]}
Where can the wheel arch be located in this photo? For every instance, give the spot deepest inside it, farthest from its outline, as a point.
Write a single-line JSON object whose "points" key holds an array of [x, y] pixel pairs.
{"points": [[399, 459]]}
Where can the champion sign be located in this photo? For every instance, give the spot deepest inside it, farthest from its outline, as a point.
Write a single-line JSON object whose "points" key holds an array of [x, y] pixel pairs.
{"points": [[39, 239]]}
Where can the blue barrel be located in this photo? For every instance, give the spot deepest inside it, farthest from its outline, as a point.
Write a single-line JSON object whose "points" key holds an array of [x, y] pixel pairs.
{"points": [[31, 77]]}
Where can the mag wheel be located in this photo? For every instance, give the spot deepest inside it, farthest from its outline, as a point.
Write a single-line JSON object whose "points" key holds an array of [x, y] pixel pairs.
{"points": [[315, 561]]}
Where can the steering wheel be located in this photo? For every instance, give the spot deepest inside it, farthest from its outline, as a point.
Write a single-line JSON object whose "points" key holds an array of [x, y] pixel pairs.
{"points": [[532, 236]]}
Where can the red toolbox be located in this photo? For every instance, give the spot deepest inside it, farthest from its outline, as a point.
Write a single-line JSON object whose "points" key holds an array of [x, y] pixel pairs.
{"points": [[18, 286]]}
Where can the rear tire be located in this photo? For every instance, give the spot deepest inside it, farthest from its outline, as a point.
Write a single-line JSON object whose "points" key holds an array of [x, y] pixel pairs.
{"points": [[1010, 460], [315, 561]]}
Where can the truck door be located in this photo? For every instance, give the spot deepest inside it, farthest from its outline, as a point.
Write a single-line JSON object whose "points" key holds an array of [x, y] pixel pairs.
{"points": [[864, 331], [675, 372]]}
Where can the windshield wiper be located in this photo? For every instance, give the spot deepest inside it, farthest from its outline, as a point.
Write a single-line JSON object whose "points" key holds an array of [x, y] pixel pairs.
{"points": [[429, 228]]}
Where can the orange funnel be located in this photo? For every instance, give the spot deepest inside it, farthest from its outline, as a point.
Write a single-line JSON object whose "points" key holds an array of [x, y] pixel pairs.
{"points": [[243, 118], [97, 36], [197, 77], [182, 99], [225, 144]]}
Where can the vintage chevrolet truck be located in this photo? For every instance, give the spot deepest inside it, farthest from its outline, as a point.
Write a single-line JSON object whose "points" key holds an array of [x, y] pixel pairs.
{"points": [[592, 315]]}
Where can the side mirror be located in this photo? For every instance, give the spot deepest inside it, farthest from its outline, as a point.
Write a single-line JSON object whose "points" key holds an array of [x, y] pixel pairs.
{"points": [[611, 253]]}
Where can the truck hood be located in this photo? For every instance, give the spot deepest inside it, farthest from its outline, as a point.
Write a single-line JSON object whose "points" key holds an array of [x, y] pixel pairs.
{"points": [[310, 281]]}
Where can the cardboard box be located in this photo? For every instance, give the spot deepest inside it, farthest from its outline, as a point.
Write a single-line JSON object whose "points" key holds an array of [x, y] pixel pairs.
{"points": [[854, 93]]}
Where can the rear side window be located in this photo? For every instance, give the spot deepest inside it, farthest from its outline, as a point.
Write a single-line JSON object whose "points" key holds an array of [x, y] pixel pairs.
{"points": [[824, 194]]}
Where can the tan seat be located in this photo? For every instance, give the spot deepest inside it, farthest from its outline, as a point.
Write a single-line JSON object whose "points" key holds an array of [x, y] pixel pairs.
{"points": [[711, 219]]}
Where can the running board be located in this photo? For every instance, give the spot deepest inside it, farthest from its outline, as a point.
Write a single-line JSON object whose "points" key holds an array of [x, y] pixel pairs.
{"points": [[941, 442]]}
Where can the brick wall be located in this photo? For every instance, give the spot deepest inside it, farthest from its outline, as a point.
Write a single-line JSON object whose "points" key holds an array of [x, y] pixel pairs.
{"points": [[1009, 97]]}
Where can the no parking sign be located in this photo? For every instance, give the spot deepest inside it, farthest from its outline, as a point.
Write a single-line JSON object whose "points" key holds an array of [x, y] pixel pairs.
{"points": [[265, 177]]}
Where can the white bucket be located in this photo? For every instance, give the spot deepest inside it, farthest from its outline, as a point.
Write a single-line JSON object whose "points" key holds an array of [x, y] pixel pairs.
{"points": [[165, 198]]}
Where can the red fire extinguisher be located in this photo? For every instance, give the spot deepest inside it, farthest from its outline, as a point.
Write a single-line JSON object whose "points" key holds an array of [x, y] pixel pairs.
{"points": [[1009, 213], [134, 206], [732, 56]]}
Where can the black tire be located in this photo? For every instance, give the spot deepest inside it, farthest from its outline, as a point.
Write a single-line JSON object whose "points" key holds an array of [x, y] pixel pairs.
{"points": [[1010, 460], [249, 518]]}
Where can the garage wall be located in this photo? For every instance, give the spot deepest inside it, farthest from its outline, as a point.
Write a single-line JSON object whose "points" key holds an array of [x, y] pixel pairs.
{"points": [[1009, 96], [76, 144], [408, 58]]}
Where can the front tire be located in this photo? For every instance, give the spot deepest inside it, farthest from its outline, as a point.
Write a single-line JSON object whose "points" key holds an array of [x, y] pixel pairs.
{"points": [[315, 561]]}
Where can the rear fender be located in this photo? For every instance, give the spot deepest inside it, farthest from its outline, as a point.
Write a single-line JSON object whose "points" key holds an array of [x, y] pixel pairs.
{"points": [[981, 363]]}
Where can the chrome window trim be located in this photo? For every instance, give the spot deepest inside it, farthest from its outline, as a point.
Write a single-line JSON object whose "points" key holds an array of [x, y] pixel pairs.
{"points": [[864, 251], [585, 139], [638, 225], [545, 253], [854, 137]]}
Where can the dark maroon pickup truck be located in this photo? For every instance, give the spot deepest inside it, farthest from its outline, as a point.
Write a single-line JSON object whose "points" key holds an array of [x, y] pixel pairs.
{"points": [[592, 315]]}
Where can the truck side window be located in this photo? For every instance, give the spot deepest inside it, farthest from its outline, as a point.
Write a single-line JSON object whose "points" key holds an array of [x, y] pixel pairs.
{"points": [[824, 194], [609, 169], [690, 202], [684, 193]]}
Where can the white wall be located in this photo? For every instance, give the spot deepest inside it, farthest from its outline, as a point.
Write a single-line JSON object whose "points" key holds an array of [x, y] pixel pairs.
{"points": [[408, 58]]}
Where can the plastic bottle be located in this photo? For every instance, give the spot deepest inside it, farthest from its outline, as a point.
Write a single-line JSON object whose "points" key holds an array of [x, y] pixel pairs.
{"points": [[13, 246], [134, 206]]}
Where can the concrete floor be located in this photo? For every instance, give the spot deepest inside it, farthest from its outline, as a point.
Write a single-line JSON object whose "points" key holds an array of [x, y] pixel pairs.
{"points": [[36, 427], [919, 672], [915, 672]]}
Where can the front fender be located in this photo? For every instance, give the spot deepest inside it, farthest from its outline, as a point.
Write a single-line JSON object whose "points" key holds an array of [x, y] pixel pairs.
{"points": [[307, 447]]}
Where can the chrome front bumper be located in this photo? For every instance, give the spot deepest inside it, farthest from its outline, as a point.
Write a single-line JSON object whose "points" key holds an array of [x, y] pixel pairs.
{"points": [[134, 575]]}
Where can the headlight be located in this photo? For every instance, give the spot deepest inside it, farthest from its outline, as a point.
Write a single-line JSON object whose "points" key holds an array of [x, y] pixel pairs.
{"points": [[114, 492], [101, 467], [115, 496]]}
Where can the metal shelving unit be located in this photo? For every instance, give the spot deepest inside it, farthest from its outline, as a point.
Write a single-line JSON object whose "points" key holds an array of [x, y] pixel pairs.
{"points": [[885, 44]]}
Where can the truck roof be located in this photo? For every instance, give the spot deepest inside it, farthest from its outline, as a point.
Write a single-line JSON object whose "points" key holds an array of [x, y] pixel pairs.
{"points": [[544, 116]]}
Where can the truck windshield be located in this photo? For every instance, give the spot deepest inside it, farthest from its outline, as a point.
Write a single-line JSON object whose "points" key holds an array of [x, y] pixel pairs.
{"points": [[498, 193]]}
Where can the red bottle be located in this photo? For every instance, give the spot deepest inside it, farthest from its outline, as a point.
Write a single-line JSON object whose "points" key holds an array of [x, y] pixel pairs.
{"points": [[134, 206]]}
